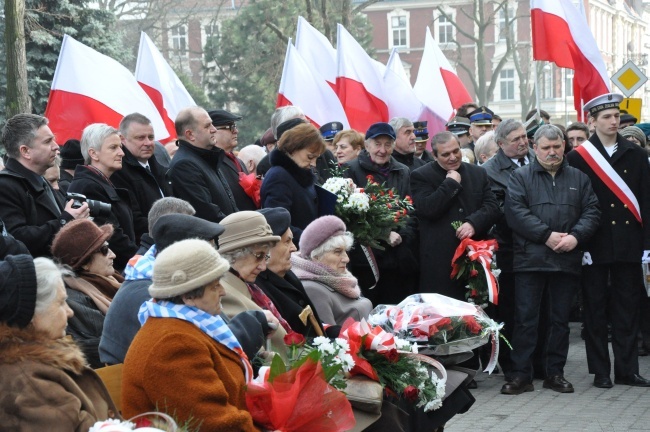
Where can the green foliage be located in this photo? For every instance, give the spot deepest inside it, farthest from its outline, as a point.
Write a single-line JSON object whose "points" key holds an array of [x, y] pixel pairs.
{"points": [[195, 91], [244, 61], [46, 21]]}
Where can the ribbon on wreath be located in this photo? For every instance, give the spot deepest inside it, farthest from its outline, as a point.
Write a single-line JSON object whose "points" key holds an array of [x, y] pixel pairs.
{"points": [[493, 330], [360, 334], [481, 251]]}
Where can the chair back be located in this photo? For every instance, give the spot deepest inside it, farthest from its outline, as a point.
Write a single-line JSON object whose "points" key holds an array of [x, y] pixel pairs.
{"points": [[112, 378]]}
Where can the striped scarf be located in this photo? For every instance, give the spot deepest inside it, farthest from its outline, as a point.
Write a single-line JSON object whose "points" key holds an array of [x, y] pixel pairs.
{"points": [[212, 325]]}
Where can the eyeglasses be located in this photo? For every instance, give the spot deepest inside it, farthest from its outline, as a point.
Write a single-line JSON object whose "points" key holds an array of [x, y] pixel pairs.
{"points": [[231, 127], [104, 249], [261, 256]]}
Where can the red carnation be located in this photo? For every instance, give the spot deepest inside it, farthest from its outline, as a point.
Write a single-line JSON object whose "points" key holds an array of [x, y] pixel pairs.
{"points": [[473, 273], [294, 339], [370, 177], [411, 393], [391, 193], [392, 355], [444, 323], [473, 293], [472, 325]]}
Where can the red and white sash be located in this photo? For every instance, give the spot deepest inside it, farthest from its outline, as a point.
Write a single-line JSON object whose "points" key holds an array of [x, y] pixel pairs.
{"points": [[610, 177]]}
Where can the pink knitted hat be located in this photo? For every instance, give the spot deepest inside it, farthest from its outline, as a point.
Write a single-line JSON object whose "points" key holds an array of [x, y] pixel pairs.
{"points": [[318, 232]]}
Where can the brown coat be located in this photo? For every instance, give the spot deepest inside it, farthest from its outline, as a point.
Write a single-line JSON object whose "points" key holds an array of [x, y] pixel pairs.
{"points": [[46, 385], [173, 367]]}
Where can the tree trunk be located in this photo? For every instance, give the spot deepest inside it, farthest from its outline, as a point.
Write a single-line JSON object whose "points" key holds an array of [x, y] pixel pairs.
{"points": [[17, 95]]}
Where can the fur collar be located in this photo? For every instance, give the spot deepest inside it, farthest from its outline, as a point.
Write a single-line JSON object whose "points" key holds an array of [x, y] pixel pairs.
{"points": [[303, 176], [19, 345]]}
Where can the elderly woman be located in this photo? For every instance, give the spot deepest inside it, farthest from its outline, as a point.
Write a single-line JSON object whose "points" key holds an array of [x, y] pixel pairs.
{"points": [[185, 360], [45, 383], [321, 267], [92, 284], [102, 151], [290, 181], [347, 145], [245, 244]]}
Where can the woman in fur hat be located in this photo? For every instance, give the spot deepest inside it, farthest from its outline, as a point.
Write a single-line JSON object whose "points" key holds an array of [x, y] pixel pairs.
{"points": [[46, 385], [321, 266], [92, 284], [185, 361]]}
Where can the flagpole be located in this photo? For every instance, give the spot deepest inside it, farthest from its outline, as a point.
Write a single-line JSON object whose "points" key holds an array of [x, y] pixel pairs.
{"points": [[537, 100]]}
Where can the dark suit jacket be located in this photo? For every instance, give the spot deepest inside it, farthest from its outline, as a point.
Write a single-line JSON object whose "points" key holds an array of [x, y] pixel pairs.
{"points": [[231, 173]]}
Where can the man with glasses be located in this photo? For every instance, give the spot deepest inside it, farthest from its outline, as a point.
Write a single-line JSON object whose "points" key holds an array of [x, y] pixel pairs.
{"points": [[195, 172], [231, 167], [513, 153]]}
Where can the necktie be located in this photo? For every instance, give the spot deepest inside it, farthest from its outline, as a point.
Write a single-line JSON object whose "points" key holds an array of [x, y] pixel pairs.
{"points": [[50, 194], [522, 162]]}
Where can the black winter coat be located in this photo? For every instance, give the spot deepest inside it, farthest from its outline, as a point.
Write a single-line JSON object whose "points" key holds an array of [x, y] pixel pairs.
{"points": [[27, 211], [538, 204], [289, 297], [288, 186], [439, 201], [231, 174], [145, 187], [87, 182], [409, 160], [195, 176], [620, 237]]}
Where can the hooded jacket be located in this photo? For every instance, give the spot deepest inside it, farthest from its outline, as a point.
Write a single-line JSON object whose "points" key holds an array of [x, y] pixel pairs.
{"points": [[46, 385]]}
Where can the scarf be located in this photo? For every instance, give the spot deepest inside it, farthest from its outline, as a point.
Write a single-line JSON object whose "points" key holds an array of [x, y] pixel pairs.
{"points": [[212, 325], [108, 286], [142, 267], [344, 284], [80, 284], [551, 168]]}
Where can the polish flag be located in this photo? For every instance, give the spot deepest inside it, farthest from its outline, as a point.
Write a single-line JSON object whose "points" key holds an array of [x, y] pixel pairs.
{"points": [[399, 94], [561, 35], [430, 86], [316, 50], [308, 89], [160, 82], [458, 94], [89, 87], [359, 83]]}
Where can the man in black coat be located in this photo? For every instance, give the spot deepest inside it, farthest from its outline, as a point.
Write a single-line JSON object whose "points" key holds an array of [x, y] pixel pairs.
{"points": [[553, 212], [404, 151], [141, 174], [231, 167], [195, 173], [621, 242], [446, 191], [31, 211]]}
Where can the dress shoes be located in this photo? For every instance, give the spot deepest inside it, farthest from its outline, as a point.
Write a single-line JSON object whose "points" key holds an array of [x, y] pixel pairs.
{"points": [[603, 381], [633, 380], [517, 386], [559, 384]]}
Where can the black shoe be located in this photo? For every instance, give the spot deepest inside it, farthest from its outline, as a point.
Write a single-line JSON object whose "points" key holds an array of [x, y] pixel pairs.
{"points": [[642, 350], [559, 384], [472, 385], [517, 386], [603, 381], [633, 380]]}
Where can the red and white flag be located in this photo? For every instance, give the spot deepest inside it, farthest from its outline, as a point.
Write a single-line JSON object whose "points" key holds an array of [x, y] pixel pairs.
{"points": [[430, 86], [359, 83], [316, 50], [89, 87], [399, 94], [308, 89], [561, 35], [161, 83], [456, 90]]}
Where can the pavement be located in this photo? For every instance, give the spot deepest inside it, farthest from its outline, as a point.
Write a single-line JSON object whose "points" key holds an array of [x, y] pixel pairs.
{"points": [[621, 408]]}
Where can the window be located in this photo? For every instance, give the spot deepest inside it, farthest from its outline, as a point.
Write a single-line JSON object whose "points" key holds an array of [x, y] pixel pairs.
{"points": [[503, 25], [179, 40], [507, 82], [211, 30], [568, 82], [548, 82], [445, 30], [398, 26]]}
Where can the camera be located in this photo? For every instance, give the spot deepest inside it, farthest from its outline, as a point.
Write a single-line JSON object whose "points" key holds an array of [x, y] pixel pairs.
{"points": [[98, 209]]}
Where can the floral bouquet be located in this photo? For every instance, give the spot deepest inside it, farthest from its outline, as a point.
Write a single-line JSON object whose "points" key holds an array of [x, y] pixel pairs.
{"points": [[303, 395], [472, 263], [440, 325], [371, 213], [395, 364], [147, 422]]}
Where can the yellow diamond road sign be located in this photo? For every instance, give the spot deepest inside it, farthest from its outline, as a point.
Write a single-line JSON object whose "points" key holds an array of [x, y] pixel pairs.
{"points": [[629, 78]]}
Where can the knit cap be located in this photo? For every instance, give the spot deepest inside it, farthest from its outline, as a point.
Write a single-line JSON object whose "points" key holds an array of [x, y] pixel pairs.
{"points": [[17, 290], [318, 232], [185, 266]]}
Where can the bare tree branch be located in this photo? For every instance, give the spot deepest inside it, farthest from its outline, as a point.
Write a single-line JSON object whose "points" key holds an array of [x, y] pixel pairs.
{"points": [[275, 29]]}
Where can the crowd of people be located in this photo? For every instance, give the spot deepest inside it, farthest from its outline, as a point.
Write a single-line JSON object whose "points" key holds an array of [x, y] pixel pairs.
{"points": [[189, 263]]}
